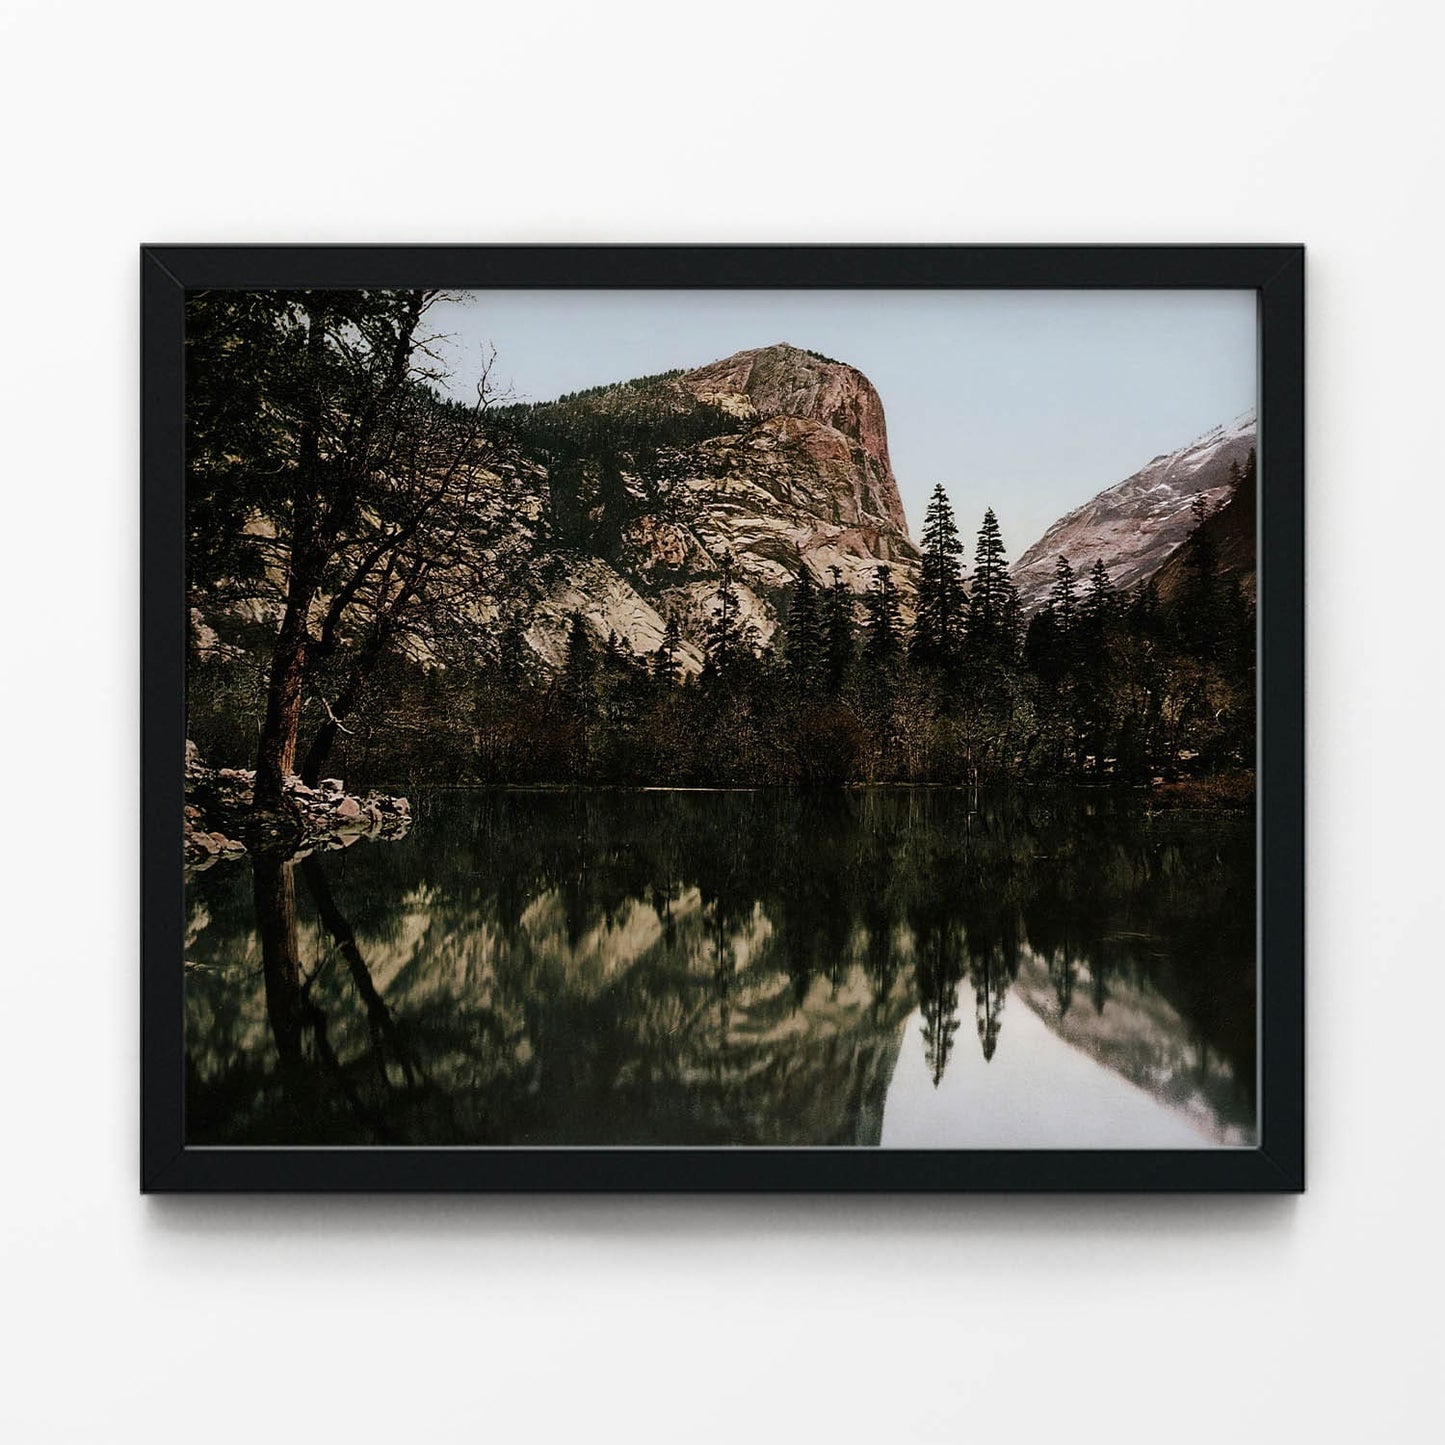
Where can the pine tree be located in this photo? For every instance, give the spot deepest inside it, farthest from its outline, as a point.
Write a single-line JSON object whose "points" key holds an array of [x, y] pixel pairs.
{"points": [[884, 645], [1142, 615], [730, 637], [839, 620], [990, 989], [579, 666], [1050, 646], [664, 659], [938, 622], [938, 1000], [993, 601], [1200, 619], [1097, 610], [512, 653], [804, 634], [1041, 644], [1062, 598]]}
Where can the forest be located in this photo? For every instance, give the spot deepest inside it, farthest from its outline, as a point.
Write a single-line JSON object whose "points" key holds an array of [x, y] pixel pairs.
{"points": [[344, 520]]}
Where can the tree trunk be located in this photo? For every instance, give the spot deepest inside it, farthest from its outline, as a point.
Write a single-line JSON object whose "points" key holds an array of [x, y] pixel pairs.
{"points": [[275, 900], [350, 696], [326, 734], [320, 750], [276, 754], [276, 751]]}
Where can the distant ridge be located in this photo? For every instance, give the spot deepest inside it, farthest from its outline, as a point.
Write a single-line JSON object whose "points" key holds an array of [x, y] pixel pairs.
{"points": [[1135, 525]]}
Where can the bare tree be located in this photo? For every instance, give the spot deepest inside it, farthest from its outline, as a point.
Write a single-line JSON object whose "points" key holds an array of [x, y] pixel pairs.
{"points": [[351, 502]]}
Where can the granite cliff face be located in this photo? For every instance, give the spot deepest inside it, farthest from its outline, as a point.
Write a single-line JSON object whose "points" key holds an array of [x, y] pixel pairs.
{"points": [[836, 416], [796, 473], [623, 503], [1136, 525]]}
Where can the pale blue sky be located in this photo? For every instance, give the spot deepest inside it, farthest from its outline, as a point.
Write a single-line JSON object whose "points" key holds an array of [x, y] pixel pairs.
{"points": [[1026, 401]]}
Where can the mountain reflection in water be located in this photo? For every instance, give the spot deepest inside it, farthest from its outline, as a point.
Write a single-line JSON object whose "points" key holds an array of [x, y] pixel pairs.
{"points": [[920, 967]]}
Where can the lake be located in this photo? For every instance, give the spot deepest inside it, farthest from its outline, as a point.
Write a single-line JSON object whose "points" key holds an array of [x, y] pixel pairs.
{"points": [[880, 967]]}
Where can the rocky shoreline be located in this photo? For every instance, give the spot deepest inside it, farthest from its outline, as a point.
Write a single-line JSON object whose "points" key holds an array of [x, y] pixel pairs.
{"points": [[219, 822]]}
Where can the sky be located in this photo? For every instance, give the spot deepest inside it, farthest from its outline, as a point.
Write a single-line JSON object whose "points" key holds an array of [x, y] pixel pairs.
{"points": [[1030, 402]]}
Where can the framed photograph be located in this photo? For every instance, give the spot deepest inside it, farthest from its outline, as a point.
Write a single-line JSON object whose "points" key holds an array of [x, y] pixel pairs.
{"points": [[722, 718]]}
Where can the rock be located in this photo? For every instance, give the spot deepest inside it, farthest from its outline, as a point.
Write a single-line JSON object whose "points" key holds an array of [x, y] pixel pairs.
{"points": [[1135, 526], [791, 469], [843, 407], [218, 804]]}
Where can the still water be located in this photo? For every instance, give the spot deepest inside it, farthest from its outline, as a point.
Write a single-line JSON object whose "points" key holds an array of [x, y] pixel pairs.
{"points": [[909, 967]]}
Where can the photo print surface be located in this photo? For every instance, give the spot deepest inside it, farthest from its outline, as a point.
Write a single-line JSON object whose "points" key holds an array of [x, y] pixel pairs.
{"points": [[721, 718]]}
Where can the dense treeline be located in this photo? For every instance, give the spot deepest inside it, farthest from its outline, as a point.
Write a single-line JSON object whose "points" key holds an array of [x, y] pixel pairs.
{"points": [[1097, 685]]}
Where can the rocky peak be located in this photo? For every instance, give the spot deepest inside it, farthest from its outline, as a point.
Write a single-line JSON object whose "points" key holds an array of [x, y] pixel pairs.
{"points": [[787, 381]]}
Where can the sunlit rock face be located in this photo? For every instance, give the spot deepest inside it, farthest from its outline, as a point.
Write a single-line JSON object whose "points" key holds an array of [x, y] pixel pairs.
{"points": [[804, 480], [1135, 526], [785, 466], [832, 411]]}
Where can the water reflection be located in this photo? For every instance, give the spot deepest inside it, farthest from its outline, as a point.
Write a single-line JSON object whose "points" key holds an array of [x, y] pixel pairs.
{"points": [[733, 968]]}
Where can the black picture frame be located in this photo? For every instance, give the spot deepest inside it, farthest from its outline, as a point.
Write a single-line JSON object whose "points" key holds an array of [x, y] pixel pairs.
{"points": [[1274, 272]]}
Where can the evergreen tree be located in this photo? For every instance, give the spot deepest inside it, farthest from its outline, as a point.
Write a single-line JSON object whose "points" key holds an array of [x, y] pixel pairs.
{"points": [[1142, 614], [1041, 644], [1201, 621], [938, 1000], [993, 610], [938, 622], [884, 645], [1051, 640], [990, 988], [1062, 597], [1097, 610], [513, 660], [839, 628], [730, 637], [805, 644], [664, 660], [579, 666]]}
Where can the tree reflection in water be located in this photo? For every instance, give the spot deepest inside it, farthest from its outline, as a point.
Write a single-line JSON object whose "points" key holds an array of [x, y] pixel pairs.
{"points": [[710, 968]]}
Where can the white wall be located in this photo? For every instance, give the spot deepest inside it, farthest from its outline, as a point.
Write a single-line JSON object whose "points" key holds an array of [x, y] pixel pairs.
{"points": [[175, 1320]]}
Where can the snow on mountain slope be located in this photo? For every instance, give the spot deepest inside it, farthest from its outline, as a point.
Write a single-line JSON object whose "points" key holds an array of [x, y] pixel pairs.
{"points": [[1135, 525]]}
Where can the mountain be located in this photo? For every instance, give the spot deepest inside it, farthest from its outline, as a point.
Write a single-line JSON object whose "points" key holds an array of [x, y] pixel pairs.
{"points": [[1231, 532], [1136, 525], [774, 457]]}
